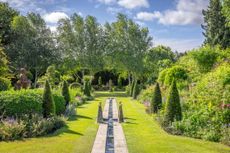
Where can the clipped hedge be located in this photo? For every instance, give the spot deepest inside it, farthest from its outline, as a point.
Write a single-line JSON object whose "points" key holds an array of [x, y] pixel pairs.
{"points": [[21, 102], [18, 103], [59, 103], [4, 84]]}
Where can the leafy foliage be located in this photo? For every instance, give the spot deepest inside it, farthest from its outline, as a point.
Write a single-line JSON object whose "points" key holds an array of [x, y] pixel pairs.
{"points": [[173, 107], [100, 81], [3, 63], [27, 127], [157, 59], [156, 102], [65, 93], [206, 57], [226, 11], [30, 30], [86, 88], [136, 90], [6, 17], [48, 104], [216, 31], [176, 72], [18, 103], [60, 103], [119, 82], [4, 84]]}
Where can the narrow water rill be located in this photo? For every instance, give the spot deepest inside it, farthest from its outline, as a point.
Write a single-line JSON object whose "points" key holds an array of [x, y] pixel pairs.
{"points": [[109, 148]]}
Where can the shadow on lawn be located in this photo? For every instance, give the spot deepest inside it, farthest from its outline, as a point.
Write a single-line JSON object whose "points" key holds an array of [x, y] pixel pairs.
{"points": [[63, 130], [127, 122], [76, 117], [128, 118], [72, 132]]}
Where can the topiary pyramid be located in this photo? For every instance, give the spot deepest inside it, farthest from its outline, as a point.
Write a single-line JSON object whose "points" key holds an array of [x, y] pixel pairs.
{"points": [[65, 93], [156, 102], [173, 107], [48, 102]]}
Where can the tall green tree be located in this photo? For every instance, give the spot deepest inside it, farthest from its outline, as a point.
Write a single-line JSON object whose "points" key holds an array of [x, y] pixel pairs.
{"points": [[226, 10], [127, 44], [156, 59], [6, 17], [173, 108], [215, 30], [3, 63], [82, 41], [33, 46], [156, 103]]}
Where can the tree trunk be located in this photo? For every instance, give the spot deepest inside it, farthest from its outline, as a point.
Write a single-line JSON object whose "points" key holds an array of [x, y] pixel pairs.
{"points": [[35, 78], [129, 77]]}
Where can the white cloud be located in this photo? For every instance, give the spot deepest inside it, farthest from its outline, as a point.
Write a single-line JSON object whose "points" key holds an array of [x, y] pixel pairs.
{"points": [[113, 10], [186, 12], [107, 1], [145, 16], [54, 17], [52, 28], [180, 45], [131, 4], [24, 5], [142, 24]]}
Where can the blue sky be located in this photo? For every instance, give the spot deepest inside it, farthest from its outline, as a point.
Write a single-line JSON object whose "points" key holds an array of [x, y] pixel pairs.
{"points": [[174, 23]]}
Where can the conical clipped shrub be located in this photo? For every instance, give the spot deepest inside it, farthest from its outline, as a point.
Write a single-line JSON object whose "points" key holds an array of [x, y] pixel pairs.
{"points": [[48, 102], [99, 114], [86, 88], [157, 99], [136, 90], [119, 81], [100, 81], [173, 107], [110, 85], [120, 113], [65, 93]]}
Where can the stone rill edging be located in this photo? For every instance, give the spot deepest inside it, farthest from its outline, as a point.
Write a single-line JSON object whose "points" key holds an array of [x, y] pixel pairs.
{"points": [[120, 144], [110, 136], [100, 140]]}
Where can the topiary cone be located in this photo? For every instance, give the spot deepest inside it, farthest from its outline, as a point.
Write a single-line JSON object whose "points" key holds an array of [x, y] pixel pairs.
{"points": [[120, 113], [99, 114], [157, 99], [65, 93], [48, 102], [173, 107]]}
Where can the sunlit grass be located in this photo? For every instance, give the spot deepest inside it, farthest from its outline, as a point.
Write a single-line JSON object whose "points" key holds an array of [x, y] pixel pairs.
{"points": [[77, 137], [144, 135]]}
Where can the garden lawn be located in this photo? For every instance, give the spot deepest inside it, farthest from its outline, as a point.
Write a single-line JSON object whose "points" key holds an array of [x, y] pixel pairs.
{"points": [[144, 135], [77, 137]]}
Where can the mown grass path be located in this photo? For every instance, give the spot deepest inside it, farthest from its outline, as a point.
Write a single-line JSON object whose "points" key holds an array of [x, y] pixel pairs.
{"points": [[144, 135], [77, 137]]}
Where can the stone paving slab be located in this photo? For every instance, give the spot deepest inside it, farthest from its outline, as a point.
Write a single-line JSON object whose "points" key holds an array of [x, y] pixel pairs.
{"points": [[119, 137], [100, 140]]}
